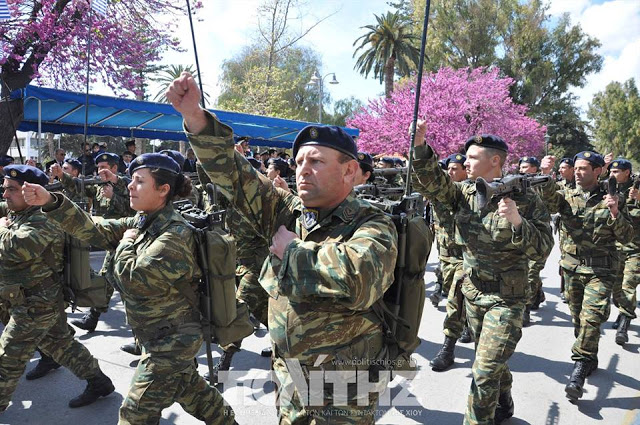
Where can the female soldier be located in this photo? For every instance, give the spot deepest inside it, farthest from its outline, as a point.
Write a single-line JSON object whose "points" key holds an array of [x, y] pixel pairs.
{"points": [[152, 273]]}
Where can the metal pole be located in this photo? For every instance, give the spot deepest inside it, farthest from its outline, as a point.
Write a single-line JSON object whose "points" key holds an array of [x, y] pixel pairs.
{"points": [[195, 51], [86, 100], [39, 128], [320, 103]]}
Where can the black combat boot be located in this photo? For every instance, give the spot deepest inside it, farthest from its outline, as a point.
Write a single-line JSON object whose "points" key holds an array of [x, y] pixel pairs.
{"points": [[44, 366], [540, 298], [615, 324], [444, 359], [466, 335], [435, 297], [575, 387], [266, 352], [132, 348], [98, 386], [621, 335], [504, 409], [224, 363], [89, 321], [526, 317]]}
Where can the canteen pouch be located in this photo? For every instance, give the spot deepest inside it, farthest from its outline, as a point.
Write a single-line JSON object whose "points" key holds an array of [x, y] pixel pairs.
{"points": [[13, 295], [221, 262], [513, 284]]}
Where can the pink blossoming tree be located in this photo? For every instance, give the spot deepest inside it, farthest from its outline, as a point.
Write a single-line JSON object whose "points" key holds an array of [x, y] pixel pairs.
{"points": [[46, 40], [456, 104]]}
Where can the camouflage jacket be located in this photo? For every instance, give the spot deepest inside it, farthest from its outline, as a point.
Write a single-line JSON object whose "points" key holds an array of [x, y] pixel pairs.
{"points": [[116, 207], [633, 206], [589, 230], [323, 288], [492, 249], [31, 251], [443, 221], [148, 270]]}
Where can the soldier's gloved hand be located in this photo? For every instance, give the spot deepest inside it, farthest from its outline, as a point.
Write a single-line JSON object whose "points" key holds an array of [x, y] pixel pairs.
{"points": [[281, 183], [507, 209], [612, 204], [184, 95], [281, 241], [108, 176], [547, 163], [107, 191], [34, 194], [5, 222], [56, 171]]}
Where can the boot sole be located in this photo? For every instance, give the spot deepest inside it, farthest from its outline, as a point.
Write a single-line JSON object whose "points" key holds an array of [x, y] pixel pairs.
{"points": [[622, 340], [573, 394], [104, 393], [440, 369]]}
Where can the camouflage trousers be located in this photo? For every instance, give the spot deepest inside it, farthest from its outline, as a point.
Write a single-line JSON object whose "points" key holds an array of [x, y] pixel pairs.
{"points": [[251, 292], [496, 325], [110, 289], [309, 395], [454, 320], [166, 374], [43, 325], [533, 277], [588, 296], [624, 289]]}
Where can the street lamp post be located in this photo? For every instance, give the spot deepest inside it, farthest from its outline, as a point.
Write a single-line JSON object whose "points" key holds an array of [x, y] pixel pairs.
{"points": [[315, 79]]}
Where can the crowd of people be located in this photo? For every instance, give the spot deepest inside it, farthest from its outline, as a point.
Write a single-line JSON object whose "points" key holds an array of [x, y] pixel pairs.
{"points": [[313, 262]]}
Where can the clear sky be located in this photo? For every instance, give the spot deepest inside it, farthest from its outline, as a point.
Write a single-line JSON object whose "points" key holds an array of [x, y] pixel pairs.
{"points": [[224, 27]]}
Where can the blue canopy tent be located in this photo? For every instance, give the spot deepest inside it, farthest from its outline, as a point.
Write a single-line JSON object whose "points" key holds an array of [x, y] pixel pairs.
{"points": [[59, 111]]}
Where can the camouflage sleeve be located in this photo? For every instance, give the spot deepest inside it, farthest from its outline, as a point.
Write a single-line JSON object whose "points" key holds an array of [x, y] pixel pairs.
{"points": [[162, 263], [28, 241], [251, 193], [621, 225], [356, 272], [535, 238], [104, 233], [3, 209], [68, 183], [119, 204], [431, 181], [551, 194]]}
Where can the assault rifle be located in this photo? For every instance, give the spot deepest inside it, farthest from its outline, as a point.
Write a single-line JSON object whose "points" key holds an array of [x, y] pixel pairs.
{"points": [[79, 182], [373, 191], [500, 188]]}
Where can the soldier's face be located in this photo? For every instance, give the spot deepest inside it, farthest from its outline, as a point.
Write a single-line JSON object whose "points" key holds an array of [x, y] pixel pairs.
{"points": [[566, 171], [13, 195], [479, 163], [106, 166], [322, 180], [67, 168], [622, 176], [361, 177], [457, 172], [272, 172], [586, 174], [143, 193], [526, 168]]}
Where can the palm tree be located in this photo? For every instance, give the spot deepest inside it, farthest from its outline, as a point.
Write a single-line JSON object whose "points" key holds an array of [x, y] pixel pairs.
{"points": [[392, 47], [165, 77]]}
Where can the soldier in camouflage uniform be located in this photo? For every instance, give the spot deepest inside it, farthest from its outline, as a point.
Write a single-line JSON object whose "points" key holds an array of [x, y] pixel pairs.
{"points": [[158, 281], [624, 290], [450, 256], [531, 165], [31, 299], [108, 201], [332, 257], [568, 181], [4, 161], [498, 241], [593, 221]]}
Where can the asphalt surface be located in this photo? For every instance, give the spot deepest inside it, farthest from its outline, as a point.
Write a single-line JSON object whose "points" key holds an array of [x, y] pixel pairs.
{"points": [[540, 367]]}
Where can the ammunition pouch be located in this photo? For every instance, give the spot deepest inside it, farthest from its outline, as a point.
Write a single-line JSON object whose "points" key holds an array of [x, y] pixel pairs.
{"points": [[510, 284], [12, 295], [240, 328]]}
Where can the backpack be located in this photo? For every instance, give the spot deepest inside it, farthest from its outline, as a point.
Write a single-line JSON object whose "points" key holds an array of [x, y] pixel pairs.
{"points": [[400, 309]]}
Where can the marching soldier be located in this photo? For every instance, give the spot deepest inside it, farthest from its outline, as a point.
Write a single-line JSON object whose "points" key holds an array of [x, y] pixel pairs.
{"points": [[498, 241], [568, 181], [450, 256], [31, 299], [366, 169], [594, 221], [320, 316]]}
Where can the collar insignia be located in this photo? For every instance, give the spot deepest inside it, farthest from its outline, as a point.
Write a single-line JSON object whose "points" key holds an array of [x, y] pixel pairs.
{"points": [[141, 220], [309, 218]]}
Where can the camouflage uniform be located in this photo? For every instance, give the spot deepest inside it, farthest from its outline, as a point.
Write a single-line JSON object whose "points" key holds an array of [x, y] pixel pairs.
{"points": [[153, 274], [450, 256], [562, 185], [624, 291], [495, 262], [29, 248], [322, 291], [590, 259]]}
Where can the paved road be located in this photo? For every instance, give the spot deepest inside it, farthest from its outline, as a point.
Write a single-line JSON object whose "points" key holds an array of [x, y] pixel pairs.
{"points": [[540, 367]]}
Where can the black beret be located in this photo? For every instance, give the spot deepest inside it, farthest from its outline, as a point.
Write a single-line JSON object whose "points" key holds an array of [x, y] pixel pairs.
{"points": [[330, 136], [130, 142], [530, 160], [486, 141], [154, 160], [25, 173], [175, 155], [456, 158], [74, 163], [255, 163], [366, 161], [620, 164], [6, 160], [593, 157], [109, 157], [399, 161], [568, 161], [443, 164], [388, 160], [279, 164]]}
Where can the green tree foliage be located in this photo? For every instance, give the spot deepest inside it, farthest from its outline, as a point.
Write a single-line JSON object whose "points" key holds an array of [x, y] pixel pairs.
{"points": [[388, 48], [615, 114], [343, 110], [165, 75], [567, 132]]}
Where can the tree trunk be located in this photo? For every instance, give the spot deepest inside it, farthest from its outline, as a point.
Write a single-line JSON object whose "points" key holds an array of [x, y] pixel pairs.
{"points": [[50, 145], [11, 109], [389, 73]]}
